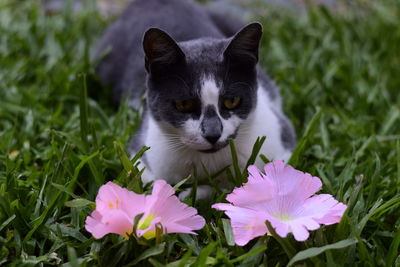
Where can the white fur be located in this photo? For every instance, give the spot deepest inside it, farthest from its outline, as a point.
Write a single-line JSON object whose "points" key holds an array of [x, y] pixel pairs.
{"points": [[171, 160], [209, 92]]}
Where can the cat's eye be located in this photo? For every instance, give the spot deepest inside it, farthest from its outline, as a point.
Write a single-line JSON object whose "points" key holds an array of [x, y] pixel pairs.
{"points": [[231, 103], [184, 105]]}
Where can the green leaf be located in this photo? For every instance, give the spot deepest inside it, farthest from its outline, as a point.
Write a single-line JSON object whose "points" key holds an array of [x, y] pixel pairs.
{"points": [[228, 232], [204, 254], [6, 222], [153, 251], [255, 151], [190, 242], [80, 202], [183, 181], [84, 113], [249, 254], [309, 131], [312, 252], [235, 163]]}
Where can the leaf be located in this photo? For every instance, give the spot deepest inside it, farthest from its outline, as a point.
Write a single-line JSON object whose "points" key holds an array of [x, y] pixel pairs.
{"points": [[190, 242], [312, 252], [126, 162], [235, 163], [84, 113], [256, 149], [79, 202], [72, 257], [132, 171], [205, 252], [249, 254], [183, 181], [153, 251], [310, 129], [6, 222], [228, 232]]}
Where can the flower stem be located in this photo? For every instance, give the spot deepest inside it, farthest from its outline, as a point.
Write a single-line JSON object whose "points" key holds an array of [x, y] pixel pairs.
{"points": [[285, 244]]}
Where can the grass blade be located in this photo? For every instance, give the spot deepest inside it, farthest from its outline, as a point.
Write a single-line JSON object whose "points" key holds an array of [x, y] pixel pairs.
{"points": [[312, 252], [310, 129]]}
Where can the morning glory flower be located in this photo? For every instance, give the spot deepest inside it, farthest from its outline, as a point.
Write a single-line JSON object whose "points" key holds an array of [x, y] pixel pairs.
{"points": [[283, 196], [163, 207], [117, 207]]}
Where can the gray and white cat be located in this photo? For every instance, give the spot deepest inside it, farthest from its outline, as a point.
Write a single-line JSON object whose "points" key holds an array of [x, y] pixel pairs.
{"points": [[202, 86]]}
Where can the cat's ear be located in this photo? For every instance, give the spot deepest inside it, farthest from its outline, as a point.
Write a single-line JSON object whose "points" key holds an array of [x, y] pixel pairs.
{"points": [[160, 50], [243, 48]]}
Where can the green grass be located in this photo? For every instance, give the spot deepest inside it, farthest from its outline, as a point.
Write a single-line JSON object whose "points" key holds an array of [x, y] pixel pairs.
{"points": [[339, 75]]}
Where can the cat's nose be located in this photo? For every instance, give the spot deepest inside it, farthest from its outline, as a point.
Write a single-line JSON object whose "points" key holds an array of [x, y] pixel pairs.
{"points": [[212, 138], [211, 125], [212, 130]]}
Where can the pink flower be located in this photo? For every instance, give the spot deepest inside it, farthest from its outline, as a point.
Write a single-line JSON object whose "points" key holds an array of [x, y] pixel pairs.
{"points": [[116, 209], [163, 207], [284, 197]]}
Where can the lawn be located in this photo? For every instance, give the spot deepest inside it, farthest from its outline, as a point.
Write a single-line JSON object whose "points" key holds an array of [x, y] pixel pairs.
{"points": [[61, 139]]}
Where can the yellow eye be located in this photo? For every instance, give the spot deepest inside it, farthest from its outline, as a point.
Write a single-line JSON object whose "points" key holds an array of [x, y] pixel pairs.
{"points": [[232, 103], [184, 105]]}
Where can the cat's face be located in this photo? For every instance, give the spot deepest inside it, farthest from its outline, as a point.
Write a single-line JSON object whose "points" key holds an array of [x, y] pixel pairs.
{"points": [[201, 91]]}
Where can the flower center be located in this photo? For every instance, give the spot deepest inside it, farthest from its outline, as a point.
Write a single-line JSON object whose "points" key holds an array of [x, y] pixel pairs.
{"points": [[111, 204], [143, 224], [284, 217], [127, 234]]}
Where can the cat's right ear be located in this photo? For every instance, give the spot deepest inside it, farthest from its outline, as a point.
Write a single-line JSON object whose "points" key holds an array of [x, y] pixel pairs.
{"points": [[161, 51], [243, 48]]}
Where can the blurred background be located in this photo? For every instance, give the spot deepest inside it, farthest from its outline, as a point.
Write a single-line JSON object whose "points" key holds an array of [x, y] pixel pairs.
{"points": [[241, 8]]}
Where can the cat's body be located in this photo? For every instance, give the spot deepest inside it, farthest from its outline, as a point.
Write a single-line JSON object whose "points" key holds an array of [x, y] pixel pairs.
{"points": [[200, 92]]}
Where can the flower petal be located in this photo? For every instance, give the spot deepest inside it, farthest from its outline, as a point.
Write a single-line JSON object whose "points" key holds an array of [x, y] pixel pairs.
{"points": [[258, 189], [113, 221], [300, 233], [289, 180], [112, 196], [174, 215], [246, 224]]}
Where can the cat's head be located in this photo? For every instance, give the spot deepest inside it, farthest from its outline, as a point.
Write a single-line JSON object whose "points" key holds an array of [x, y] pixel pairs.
{"points": [[201, 91]]}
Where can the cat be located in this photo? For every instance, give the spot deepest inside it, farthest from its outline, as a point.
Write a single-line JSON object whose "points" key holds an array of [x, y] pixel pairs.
{"points": [[203, 85]]}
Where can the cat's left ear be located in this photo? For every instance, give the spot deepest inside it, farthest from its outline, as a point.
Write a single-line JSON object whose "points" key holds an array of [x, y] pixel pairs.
{"points": [[161, 51], [243, 47]]}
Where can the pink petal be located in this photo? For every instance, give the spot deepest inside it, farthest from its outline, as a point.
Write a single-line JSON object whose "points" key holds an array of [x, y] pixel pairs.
{"points": [[289, 180], [300, 233], [112, 196], [258, 189], [324, 209], [334, 215], [113, 221], [246, 224], [174, 215], [254, 173], [194, 223], [309, 223], [281, 228], [94, 226]]}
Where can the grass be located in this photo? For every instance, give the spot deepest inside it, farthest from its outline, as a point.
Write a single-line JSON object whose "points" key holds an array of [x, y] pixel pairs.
{"points": [[339, 77]]}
